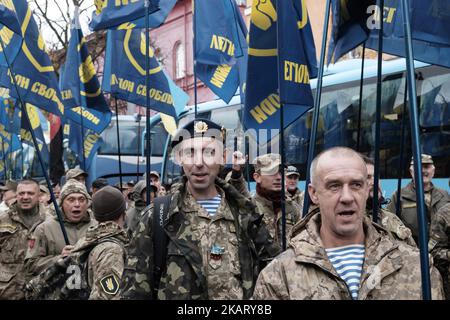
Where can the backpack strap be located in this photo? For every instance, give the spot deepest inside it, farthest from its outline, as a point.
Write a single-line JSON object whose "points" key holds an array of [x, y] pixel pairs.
{"points": [[161, 208]]}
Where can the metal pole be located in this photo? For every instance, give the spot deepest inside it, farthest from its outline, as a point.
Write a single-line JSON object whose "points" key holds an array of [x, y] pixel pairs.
{"points": [[4, 158], [36, 145], [118, 142], [361, 85], [312, 140], [139, 145], [147, 98], [378, 117], [415, 135], [402, 152], [195, 63]]}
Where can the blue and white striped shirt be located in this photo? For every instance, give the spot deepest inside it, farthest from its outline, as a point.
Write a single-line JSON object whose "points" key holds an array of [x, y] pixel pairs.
{"points": [[348, 262], [211, 205]]}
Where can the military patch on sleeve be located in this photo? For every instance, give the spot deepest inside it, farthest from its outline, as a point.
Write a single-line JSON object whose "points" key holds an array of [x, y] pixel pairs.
{"points": [[110, 284]]}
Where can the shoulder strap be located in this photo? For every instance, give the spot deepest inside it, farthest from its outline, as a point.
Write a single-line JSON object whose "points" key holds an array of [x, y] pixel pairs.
{"points": [[161, 207]]}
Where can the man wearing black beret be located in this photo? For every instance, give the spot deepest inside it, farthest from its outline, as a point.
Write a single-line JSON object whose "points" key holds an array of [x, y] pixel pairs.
{"points": [[217, 243]]}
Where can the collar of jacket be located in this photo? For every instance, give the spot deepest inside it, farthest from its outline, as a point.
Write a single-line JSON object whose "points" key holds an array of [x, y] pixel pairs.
{"points": [[103, 230], [14, 215], [381, 257], [409, 193]]}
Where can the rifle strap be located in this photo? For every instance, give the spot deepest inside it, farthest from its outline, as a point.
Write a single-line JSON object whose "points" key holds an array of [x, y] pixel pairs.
{"points": [[161, 208]]}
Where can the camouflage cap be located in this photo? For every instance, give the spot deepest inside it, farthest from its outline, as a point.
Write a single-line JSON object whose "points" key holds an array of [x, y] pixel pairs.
{"points": [[10, 185], [73, 186], [73, 173], [268, 164], [291, 170], [154, 173], [426, 159], [44, 189]]}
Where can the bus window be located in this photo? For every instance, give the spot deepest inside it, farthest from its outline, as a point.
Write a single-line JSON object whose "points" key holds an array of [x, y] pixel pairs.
{"points": [[159, 137], [129, 139]]}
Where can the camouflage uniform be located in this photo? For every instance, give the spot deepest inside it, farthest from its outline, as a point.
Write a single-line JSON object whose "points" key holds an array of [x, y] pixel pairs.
{"points": [[298, 197], [192, 270], [134, 214], [434, 199], [47, 242], [106, 260], [391, 269], [439, 244], [14, 238], [394, 226]]}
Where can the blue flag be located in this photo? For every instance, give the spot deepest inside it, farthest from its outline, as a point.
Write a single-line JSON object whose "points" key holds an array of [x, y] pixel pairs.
{"points": [[91, 140], [10, 32], [349, 28], [430, 22], [263, 101], [32, 68], [221, 48], [112, 14], [124, 73], [80, 88]]}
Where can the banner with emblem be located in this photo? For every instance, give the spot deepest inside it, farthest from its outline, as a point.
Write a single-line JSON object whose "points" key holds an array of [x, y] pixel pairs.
{"points": [[111, 14], [80, 88], [10, 32], [87, 138], [297, 64], [124, 72], [221, 47], [34, 73]]}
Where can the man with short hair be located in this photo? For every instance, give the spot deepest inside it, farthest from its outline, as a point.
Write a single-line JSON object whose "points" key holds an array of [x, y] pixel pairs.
{"points": [[16, 227], [336, 252], [97, 184], [393, 225], [9, 195], [217, 243], [294, 193], [47, 244], [435, 198], [77, 174]]}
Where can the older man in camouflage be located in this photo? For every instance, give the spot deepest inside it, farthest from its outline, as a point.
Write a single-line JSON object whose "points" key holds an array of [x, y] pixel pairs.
{"points": [[216, 241], [16, 227], [336, 252], [435, 198], [47, 244]]}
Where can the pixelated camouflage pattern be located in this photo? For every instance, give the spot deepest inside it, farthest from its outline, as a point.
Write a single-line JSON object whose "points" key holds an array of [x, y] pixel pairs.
{"points": [[437, 199], [14, 241], [298, 197], [391, 269], [73, 186], [48, 241], [439, 244], [134, 214], [190, 273]]}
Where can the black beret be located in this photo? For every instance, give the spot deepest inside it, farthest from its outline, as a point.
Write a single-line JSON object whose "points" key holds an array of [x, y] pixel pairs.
{"points": [[199, 128]]}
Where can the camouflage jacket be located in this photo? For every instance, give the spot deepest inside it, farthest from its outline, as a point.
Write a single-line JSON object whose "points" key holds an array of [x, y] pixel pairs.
{"points": [[106, 260], [391, 269], [298, 197], [134, 214], [14, 239], [47, 242], [439, 244], [394, 226], [191, 273], [274, 224], [408, 209]]}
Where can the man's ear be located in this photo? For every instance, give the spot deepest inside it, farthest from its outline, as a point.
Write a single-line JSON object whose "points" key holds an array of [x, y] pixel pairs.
{"points": [[313, 194], [257, 177]]}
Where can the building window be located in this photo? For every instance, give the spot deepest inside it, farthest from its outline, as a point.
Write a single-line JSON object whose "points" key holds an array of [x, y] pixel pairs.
{"points": [[180, 67]]}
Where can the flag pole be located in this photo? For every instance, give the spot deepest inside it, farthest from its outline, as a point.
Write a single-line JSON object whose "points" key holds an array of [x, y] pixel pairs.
{"points": [[138, 117], [415, 135], [82, 137], [4, 157], [36, 145], [361, 84], [312, 140], [402, 152], [118, 142], [147, 98], [195, 60], [378, 117]]}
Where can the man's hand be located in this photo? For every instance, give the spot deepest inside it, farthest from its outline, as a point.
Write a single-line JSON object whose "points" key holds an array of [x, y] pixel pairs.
{"points": [[238, 161], [66, 250]]}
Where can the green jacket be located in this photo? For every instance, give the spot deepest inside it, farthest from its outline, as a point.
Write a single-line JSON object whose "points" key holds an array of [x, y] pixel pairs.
{"points": [[186, 275]]}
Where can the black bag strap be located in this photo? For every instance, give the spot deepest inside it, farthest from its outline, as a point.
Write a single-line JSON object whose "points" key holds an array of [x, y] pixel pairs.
{"points": [[161, 208]]}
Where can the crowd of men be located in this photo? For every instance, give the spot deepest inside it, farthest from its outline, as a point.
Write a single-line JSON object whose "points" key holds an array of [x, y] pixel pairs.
{"points": [[208, 237]]}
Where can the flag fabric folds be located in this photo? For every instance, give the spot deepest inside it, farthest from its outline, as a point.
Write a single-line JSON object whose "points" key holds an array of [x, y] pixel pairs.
{"points": [[297, 63], [32, 68], [124, 72], [84, 139], [220, 46], [80, 88]]}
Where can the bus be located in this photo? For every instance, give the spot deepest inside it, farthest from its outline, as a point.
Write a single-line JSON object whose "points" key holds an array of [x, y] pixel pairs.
{"points": [[343, 123], [132, 148]]}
